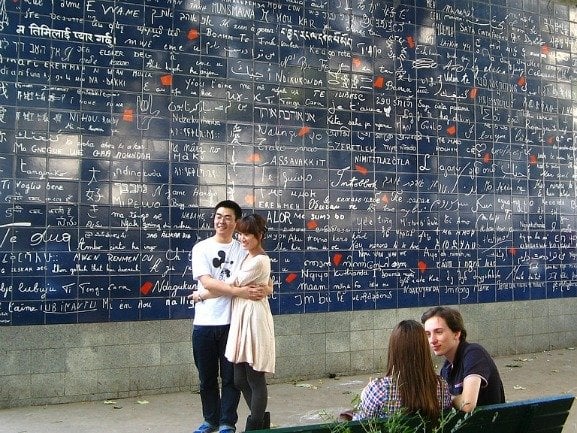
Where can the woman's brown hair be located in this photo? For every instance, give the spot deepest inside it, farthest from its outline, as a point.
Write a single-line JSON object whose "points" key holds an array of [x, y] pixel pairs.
{"points": [[410, 364], [252, 224]]}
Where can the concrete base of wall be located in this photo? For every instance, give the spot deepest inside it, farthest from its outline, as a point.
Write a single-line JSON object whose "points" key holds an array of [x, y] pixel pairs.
{"points": [[70, 363]]}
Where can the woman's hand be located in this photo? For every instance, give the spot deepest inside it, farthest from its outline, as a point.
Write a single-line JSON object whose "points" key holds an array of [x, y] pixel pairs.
{"points": [[253, 293]]}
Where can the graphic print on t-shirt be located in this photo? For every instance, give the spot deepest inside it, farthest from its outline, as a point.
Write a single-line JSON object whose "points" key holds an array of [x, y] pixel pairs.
{"points": [[223, 264]]}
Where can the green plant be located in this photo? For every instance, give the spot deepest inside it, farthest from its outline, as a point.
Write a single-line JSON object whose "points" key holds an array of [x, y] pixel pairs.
{"points": [[448, 419], [399, 422]]}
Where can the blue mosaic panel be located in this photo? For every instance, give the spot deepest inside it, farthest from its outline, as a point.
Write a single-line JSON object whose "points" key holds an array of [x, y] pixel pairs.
{"points": [[404, 153]]}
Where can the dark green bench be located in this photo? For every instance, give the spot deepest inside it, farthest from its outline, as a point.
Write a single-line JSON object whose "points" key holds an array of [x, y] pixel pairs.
{"points": [[539, 415]]}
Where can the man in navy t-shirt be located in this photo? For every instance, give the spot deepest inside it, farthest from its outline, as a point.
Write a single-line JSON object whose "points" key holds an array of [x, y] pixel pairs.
{"points": [[469, 370]]}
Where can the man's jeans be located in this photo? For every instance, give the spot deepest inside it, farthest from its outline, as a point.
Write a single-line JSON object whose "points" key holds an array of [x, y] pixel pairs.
{"points": [[208, 346]]}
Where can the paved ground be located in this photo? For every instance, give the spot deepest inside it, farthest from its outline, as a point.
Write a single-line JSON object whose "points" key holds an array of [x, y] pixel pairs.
{"points": [[524, 376]]}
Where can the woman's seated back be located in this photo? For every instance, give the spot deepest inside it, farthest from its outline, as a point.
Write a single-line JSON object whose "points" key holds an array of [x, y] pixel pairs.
{"points": [[410, 383]]}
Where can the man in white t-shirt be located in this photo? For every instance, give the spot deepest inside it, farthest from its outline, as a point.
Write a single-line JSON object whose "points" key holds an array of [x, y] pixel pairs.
{"points": [[213, 260]]}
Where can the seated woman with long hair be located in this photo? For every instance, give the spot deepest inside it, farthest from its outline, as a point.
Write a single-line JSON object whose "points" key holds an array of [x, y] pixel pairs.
{"points": [[411, 383]]}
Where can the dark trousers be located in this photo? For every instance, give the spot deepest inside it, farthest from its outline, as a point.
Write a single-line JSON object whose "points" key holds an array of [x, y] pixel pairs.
{"points": [[219, 407], [254, 390]]}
